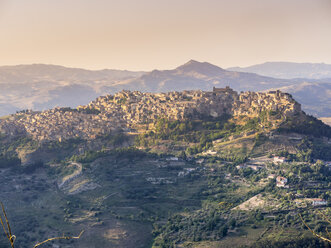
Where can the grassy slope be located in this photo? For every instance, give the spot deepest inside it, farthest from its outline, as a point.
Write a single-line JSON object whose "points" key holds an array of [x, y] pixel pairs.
{"points": [[122, 210]]}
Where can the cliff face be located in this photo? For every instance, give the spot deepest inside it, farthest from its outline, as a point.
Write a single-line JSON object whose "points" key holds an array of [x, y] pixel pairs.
{"points": [[126, 109]]}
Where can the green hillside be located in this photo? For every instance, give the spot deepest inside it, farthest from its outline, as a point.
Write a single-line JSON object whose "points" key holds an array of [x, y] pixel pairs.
{"points": [[206, 182]]}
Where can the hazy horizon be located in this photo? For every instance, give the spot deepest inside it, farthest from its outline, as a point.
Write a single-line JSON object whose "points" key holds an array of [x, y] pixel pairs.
{"points": [[145, 35], [170, 68]]}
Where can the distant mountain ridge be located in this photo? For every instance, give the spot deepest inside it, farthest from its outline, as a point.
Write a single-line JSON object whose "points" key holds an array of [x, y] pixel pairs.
{"points": [[314, 97], [199, 75], [28, 73], [288, 70], [41, 87]]}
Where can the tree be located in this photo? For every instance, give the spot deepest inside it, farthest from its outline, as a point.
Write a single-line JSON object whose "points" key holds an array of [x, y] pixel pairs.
{"points": [[11, 238], [328, 239]]}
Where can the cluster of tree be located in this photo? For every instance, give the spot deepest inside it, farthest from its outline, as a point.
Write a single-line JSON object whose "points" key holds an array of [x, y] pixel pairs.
{"points": [[9, 161], [202, 132], [67, 144], [307, 125], [114, 139], [212, 223], [308, 150], [252, 124], [305, 242], [92, 155], [8, 150], [207, 224], [303, 155], [92, 111], [24, 111]]}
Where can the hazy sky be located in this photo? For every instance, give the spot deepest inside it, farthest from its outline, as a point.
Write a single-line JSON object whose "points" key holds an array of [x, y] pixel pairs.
{"points": [[162, 34]]}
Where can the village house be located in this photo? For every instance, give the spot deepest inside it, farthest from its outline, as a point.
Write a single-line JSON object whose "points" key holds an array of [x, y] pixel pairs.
{"points": [[241, 166], [313, 201], [318, 202], [209, 152], [252, 166], [279, 159], [281, 182], [172, 159]]}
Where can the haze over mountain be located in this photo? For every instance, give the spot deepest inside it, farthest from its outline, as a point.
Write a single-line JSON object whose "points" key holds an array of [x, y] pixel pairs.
{"points": [[41, 86], [288, 70], [314, 97], [34, 72], [199, 75]]}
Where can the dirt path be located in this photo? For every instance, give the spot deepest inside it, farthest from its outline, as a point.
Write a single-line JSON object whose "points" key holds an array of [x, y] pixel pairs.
{"points": [[67, 179]]}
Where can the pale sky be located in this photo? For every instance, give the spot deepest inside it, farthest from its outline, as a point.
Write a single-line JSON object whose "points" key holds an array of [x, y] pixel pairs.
{"points": [[162, 34]]}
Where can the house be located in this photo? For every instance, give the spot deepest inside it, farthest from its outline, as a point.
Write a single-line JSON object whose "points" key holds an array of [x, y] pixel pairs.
{"points": [[279, 159], [241, 166], [281, 182], [172, 159], [318, 202], [209, 152], [254, 167]]}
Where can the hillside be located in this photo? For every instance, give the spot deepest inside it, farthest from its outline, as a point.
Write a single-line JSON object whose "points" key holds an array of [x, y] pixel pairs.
{"points": [[199, 76], [39, 72], [42, 86], [177, 169], [288, 70], [315, 97]]}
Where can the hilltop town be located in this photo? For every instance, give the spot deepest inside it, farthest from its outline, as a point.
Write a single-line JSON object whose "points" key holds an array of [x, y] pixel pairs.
{"points": [[233, 163], [126, 109]]}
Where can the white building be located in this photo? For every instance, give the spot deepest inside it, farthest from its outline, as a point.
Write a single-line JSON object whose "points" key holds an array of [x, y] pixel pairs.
{"points": [[279, 159], [319, 202], [281, 182]]}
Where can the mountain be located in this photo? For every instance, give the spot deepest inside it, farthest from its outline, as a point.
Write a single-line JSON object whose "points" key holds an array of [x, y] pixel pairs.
{"points": [[314, 97], [41, 86], [199, 75], [288, 70], [313, 94], [39, 72]]}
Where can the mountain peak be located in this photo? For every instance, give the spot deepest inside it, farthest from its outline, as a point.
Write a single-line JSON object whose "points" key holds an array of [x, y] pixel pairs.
{"points": [[203, 68], [192, 61]]}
